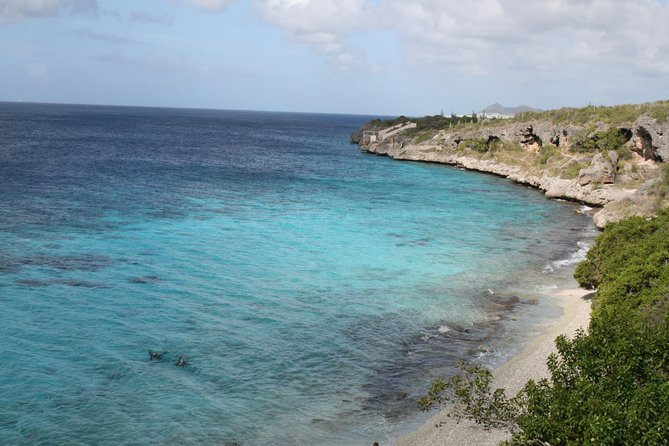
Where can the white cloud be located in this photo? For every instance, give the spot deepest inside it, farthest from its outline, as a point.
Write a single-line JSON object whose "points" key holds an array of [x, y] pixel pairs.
{"points": [[548, 38], [323, 24], [17, 10]]}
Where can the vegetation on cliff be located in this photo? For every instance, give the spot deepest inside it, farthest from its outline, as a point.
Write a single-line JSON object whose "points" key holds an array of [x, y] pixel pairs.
{"points": [[604, 156], [613, 115], [616, 115], [609, 385]]}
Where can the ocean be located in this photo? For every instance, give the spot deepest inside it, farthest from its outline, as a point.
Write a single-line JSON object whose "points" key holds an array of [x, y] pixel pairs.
{"points": [[310, 292]]}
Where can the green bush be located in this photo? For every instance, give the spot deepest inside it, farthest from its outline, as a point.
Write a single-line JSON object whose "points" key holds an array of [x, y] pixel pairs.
{"points": [[619, 115], [479, 144], [587, 140], [615, 115], [546, 152], [624, 153], [571, 171], [425, 135], [660, 115], [609, 386]]}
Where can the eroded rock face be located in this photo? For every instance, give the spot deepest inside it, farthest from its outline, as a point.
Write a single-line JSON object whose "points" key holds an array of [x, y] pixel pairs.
{"points": [[531, 140], [642, 144], [602, 170], [651, 139], [632, 192]]}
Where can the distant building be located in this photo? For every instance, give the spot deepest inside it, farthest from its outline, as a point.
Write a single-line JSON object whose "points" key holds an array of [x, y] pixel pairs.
{"points": [[485, 115], [498, 111]]}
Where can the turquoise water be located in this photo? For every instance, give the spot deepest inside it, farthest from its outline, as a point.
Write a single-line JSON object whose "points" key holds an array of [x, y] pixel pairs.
{"points": [[313, 290]]}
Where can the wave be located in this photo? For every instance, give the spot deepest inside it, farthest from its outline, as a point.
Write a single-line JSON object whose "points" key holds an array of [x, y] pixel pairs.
{"points": [[574, 258], [584, 209]]}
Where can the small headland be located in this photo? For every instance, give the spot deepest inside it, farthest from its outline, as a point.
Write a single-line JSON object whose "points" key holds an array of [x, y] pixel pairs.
{"points": [[612, 158]]}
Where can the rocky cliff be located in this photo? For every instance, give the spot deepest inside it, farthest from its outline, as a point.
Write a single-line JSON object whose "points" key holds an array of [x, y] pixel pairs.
{"points": [[620, 168]]}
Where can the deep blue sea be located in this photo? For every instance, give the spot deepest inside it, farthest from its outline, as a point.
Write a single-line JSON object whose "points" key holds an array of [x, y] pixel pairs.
{"points": [[312, 290]]}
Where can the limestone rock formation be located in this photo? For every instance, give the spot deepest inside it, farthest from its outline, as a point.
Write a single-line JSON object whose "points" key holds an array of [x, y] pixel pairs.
{"points": [[530, 140], [621, 187], [651, 138], [602, 170]]}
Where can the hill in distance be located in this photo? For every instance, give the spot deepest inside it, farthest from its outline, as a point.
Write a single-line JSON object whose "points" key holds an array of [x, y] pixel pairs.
{"points": [[507, 111]]}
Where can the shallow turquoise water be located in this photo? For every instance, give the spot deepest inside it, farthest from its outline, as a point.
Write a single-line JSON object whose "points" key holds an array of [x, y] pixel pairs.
{"points": [[312, 289]]}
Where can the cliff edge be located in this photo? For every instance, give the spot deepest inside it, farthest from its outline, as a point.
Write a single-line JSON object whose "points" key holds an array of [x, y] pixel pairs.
{"points": [[614, 158]]}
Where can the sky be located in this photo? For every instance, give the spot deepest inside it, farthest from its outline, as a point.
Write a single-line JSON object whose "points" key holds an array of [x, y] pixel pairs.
{"points": [[377, 57]]}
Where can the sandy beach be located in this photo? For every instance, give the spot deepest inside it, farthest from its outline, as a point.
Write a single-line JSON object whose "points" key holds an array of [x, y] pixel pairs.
{"points": [[528, 364]]}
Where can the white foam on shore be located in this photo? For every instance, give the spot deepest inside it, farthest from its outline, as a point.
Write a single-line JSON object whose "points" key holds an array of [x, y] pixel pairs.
{"points": [[584, 209], [573, 259], [443, 329]]}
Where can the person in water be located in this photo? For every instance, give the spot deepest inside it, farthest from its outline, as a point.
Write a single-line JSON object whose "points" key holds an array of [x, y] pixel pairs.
{"points": [[181, 362]]}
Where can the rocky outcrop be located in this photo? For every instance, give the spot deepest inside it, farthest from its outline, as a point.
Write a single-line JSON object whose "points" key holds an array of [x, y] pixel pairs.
{"points": [[619, 187], [530, 136], [529, 139], [602, 170], [356, 137], [648, 137], [651, 138], [593, 194]]}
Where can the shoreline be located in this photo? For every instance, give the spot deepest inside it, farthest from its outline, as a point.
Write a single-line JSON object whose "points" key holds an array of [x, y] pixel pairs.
{"points": [[598, 196], [530, 363]]}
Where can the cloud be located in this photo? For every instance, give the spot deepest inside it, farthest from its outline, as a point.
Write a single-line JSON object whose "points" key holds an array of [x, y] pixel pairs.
{"points": [[550, 39], [18, 10], [322, 24]]}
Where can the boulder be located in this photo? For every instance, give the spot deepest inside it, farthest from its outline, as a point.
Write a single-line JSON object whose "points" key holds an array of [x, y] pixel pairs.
{"points": [[602, 170], [649, 187]]}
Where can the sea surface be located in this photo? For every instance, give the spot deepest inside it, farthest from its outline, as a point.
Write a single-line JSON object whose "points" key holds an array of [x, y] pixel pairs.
{"points": [[311, 291]]}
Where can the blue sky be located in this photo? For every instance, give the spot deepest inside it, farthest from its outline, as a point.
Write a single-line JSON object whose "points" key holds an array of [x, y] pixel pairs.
{"points": [[387, 57]]}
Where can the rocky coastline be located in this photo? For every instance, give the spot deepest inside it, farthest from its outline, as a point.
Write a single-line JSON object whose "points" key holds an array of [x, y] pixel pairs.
{"points": [[566, 161], [618, 166]]}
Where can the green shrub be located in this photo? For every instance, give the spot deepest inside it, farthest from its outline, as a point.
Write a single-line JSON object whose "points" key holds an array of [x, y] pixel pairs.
{"points": [[425, 135], [587, 140], [571, 171], [546, 152], [500, 145], [660, 115], [609, 386], [619, 115], [615, 115], [478, 144], [624, 153], [664, 182]]}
